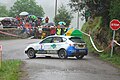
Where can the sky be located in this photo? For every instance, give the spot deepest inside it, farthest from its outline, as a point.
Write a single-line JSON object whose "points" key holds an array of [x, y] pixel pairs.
{"points": [[49, 8]]}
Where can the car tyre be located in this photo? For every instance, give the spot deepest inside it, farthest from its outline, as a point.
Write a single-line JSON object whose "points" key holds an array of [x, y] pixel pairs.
{"points": [[80, 56], [62, 54], [31, 53]]}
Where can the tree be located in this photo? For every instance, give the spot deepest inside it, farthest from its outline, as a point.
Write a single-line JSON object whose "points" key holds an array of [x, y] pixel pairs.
{"points": [[114, 9], [63, 15], [3, 11], [92, 7], [29, 6], [78, 6]]}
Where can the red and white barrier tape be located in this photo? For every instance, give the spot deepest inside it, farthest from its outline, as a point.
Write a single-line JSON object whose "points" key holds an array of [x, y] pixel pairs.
{"points": [[85, 33], [92, 42], [116, 42], [95, 46]]}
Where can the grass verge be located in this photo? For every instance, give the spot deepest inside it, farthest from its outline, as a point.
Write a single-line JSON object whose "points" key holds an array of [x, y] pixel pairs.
{"points": [[10, 70], [115, 59]]}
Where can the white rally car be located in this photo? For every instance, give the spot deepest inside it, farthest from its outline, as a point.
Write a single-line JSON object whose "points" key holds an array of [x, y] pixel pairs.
{"points": [[64, 46]]}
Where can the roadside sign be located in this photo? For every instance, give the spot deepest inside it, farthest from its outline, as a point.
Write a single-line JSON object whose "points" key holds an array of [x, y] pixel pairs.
{"points": [[115, 24]]}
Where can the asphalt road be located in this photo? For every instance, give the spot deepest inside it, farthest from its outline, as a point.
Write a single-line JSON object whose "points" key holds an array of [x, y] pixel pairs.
{"points": [[53, 68]]}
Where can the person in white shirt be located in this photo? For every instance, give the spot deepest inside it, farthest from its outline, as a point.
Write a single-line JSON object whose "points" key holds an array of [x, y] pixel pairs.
{"points": [[1, 25]]}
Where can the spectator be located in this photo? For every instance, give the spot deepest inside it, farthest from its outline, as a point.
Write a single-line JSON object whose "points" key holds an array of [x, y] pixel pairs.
{"points": [[27, 26], [59, 30], [38, 22], [1, 26], [46, 20], [65, 29], [52, 30], [40, 31]]}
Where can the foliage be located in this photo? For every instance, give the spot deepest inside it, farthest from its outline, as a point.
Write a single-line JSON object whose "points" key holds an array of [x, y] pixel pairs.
{"points": [[29, 6], [115, 14], [77, 5], [101, 38], [10, 70], [92, 7], [105, 8], [114, 9], [63, 15], [3, 11], [93, 28]]}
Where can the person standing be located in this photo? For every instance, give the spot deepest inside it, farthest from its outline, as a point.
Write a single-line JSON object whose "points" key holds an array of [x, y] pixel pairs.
{"points": [[27, 26], [1, 26], [52, 30], [46, 19], [58, 30]]}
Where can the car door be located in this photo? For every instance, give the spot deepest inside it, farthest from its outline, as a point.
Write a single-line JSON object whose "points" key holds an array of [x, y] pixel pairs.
{"points": [[46, 44], [58, 43], [51, 45]]}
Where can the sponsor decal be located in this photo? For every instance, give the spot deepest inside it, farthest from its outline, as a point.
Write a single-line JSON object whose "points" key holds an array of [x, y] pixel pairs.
{"points": [[53, 46]]}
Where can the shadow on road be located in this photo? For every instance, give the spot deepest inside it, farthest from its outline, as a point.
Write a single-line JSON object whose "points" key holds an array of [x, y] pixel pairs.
{"points": [[56, 58]]}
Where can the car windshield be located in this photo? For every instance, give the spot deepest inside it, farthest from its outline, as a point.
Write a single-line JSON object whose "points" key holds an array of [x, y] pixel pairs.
{"points": [[76, 40]]}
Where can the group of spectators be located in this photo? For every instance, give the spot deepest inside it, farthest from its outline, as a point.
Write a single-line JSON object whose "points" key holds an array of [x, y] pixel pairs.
{"points": [[35, 27], [52, 30]]}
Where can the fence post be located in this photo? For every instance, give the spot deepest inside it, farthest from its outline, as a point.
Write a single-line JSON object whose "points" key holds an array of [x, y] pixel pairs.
{"points": [[0, 56]]}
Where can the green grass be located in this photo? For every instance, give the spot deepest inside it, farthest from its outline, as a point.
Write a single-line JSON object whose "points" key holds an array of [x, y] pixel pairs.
{"points": [[10, 70], [115, 59]]}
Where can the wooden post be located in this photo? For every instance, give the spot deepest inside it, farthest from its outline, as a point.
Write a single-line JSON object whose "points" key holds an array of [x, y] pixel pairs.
{"points": [[0, 56]]}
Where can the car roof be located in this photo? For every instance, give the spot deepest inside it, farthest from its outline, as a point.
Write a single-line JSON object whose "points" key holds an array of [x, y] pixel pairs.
{"points": [[61, 36]]}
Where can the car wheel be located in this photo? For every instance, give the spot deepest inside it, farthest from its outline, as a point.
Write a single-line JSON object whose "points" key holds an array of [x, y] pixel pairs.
{"points": [[31, 53], [62, 54], [79, 56]]}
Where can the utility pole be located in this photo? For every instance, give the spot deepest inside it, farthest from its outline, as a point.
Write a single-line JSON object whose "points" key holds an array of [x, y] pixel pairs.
{"points": [[78, 20], [55, 7], [78, 15]]}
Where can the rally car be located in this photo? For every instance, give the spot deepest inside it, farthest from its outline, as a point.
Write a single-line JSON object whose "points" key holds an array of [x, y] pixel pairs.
{"points": [[64, 46]]}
